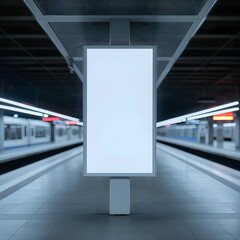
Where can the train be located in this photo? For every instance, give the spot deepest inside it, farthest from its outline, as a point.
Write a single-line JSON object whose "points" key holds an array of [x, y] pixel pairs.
{"points": [[196, 132], [20, 132]]}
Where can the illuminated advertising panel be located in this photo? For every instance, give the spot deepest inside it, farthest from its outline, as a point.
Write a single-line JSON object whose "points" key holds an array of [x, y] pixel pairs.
{"points": [[119, 111]]}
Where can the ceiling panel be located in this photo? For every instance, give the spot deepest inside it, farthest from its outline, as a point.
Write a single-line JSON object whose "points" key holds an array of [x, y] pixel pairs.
{"points": [[33, 70], [116, 7]]}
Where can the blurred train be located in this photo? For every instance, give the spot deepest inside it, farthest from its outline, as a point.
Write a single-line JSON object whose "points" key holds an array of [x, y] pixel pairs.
{"points": [[197, 132], [24, 132]]}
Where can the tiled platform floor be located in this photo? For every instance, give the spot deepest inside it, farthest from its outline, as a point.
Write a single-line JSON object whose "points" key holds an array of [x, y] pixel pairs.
{"points": [[181, 203]]}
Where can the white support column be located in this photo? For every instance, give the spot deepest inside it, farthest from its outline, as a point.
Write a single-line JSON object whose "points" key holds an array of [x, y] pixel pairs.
{"points": [[119, 201], [1, 130], [210, 132], [1, 118], [119, 196], [220, 134], [119, 32], [237, 131]]}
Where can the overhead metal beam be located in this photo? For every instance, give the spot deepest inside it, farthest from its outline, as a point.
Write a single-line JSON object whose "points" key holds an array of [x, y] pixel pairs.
{"points": [[33, 63], [77, 59], [215, 58], [25, 36], [213, 63], [20, 69], [192, 30], [205, 69], [47, 28], [203, 77], [108, 18], [226, 77], [152, 18], [17, 58], [27, 48], [203, 48], [158, 58], [16, 18], [215, 36], [165, 59], [77, 71], [219, 18], [187, 87], [45, 20]]}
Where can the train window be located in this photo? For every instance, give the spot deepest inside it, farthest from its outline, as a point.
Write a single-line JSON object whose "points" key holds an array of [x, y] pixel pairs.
{"points": [[61, 132], [12, 131], [25, 131], [40, 131]]}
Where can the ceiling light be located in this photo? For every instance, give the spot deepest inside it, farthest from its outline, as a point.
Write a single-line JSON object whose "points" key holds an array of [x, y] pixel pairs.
{"points": [[15, 109], [190, 115], [214, 113], [38, 109], [213, 109], [171, 121]]}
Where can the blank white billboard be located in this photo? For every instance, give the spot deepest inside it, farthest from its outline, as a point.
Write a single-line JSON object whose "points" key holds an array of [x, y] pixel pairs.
{"points": [[119, 111]]}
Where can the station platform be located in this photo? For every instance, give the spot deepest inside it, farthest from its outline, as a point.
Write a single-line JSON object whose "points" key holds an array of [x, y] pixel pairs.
{"points": [[190, 198], [19, 152], [227, 149]]}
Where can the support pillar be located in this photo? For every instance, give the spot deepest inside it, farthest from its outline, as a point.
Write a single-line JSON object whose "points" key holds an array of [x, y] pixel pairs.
{"points": [[210, 132], [119, 201], [220, 135], [119, 32], [202, 132], [1, 130], [1, 118], [237, 131], [119, 196]]}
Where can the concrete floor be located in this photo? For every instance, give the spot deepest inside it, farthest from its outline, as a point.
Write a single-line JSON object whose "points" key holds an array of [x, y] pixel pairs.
{"points": [[181, 203]]}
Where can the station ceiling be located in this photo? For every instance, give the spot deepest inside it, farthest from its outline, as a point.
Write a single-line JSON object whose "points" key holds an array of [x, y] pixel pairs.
{"points": [[207, 73]]}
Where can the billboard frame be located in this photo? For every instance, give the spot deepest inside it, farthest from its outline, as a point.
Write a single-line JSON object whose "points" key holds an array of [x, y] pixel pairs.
{"points": [[154, 111]]}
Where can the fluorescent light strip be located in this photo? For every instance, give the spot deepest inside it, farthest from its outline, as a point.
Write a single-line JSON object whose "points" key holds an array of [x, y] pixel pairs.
{"points": [[214, 113], [212, 109], [38, 109], [15, 109], [178, 119], [171, 121]]}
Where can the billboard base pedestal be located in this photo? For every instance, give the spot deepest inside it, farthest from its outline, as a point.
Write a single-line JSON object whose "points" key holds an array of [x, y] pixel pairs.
{"points": [[119, 196]]}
